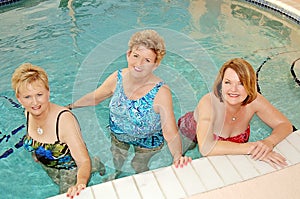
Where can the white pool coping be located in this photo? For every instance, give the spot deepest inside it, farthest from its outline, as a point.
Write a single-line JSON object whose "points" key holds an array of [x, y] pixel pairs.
{"points": [[207, 177]]}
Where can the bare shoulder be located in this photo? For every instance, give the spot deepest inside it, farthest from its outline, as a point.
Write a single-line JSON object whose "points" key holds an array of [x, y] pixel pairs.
{"points": [[63, 113], [112, 77], [163, 97], [206, 100], [259, 102], [164, 91]]}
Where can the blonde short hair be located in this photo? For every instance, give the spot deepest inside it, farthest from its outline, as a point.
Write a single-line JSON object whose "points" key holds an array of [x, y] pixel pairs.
{"points": [[151, 40], [246, 75], [27, 74]]}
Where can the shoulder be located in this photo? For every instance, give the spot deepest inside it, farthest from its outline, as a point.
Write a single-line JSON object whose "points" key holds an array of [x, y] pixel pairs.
{"points": [[259, 102], [164, 91], [207, 100], [163, 97], [62, 112]]}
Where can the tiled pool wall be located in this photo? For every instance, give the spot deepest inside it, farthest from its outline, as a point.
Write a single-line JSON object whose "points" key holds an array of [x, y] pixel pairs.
{"points": [[279, 7], [6, 2]]}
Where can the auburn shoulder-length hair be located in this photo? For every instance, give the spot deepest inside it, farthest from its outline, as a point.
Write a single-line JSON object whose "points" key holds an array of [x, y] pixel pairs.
{"points": [[246, 75]]}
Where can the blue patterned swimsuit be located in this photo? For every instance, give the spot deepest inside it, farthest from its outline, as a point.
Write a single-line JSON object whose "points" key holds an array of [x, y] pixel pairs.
{"points": [[56, 155], [135, 121]]}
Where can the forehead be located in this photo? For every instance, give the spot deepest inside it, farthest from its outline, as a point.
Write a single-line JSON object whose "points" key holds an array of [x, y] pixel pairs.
{"points": [[144, 50], [32, 86], [230, 74]]}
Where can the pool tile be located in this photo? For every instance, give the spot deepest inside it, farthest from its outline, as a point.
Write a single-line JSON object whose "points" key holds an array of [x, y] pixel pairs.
{"points": [[189, 179], [148, 186], [169, 183], [294, 139], [243, 166], [105, 190], [289, 152], [225, 169], [207, 173], [126, 188]]}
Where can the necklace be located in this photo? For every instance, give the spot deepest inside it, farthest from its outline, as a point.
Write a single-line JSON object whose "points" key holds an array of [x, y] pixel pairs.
{"points": [[39, 128], [40, 131], [234, 117]]}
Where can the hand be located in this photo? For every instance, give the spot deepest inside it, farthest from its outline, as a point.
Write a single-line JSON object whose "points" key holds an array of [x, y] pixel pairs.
{"points": [[260, 149], [69, 106], [182, 161], [75, 190], [275, 159]]}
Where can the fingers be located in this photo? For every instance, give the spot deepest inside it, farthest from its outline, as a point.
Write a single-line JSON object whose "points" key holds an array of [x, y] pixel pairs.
{"points": [[182, 161], [275, 160], [75, 190], [259, 150]]}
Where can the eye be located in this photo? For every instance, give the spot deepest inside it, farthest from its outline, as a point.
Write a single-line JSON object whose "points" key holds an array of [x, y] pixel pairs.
{"points": [[27, 97], [148, 60], [226, 82], [40, 94], [135, 55]]}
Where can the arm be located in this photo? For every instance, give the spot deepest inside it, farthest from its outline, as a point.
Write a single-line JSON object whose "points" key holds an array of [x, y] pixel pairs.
{"points": [[70, 134], [281, 126], [164, 106], [93, 98]]}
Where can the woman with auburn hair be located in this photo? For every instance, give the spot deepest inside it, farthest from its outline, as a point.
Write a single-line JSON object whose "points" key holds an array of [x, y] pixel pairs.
{"points": [[220, 124]]}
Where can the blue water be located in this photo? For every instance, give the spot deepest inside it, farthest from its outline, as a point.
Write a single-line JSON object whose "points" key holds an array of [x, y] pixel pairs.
{"points": [[81, 44]]}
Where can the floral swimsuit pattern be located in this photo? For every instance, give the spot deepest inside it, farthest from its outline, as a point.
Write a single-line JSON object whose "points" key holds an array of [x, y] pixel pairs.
{"points": [[56, 155], [134, 121]]}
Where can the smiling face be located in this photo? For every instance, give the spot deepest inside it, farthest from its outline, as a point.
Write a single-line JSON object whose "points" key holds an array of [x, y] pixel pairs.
{"points": [[233, 91], [240, 78], [141, 61], [34, 97]]}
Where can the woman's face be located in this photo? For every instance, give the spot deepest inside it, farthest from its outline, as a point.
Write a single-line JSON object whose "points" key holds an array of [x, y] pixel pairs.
{"points": [[141, 61], [233, 91], [34, 97]]}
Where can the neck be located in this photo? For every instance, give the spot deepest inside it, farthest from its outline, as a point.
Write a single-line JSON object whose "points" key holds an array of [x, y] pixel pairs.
{"points": [[233, 112], [233, 108]]}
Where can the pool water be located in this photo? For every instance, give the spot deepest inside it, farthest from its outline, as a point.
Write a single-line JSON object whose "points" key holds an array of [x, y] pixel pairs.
{"points": [[79, 43]]}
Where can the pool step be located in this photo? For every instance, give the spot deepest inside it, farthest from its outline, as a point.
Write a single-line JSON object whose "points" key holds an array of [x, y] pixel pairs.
{"points": [[201, 176]]}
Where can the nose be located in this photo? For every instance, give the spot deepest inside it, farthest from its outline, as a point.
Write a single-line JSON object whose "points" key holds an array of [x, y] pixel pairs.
{"points": [[139, 62], [234, 87], [34, 100]]}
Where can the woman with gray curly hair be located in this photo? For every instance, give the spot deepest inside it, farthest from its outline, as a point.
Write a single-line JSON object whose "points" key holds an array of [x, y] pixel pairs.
{"points": [[141, 110]]}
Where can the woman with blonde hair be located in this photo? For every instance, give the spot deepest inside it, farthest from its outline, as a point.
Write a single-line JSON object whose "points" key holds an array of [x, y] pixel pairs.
{"points": [[53, 133]]}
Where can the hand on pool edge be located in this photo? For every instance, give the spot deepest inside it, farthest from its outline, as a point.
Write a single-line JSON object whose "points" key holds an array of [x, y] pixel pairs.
{"points": [[182, 161], [75, 190], [276, 160]]}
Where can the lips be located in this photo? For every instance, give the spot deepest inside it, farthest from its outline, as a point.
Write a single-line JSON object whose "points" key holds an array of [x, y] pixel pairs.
{"points": [[233, 95], [138, 69], [36, 107]]}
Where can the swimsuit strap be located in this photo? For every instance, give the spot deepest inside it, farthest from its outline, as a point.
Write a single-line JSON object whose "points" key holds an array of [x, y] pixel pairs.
{"points": [[57, 122], [27, 121]]}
